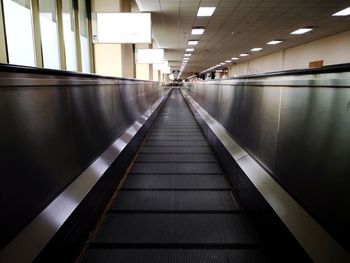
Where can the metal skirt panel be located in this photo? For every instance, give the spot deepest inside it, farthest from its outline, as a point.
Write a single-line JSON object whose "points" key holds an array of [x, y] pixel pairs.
{"points": [[298, 130], [51, 133]]}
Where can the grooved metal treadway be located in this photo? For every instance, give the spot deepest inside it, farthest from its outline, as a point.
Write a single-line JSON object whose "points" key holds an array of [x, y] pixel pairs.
{"points": [[175, 205]]}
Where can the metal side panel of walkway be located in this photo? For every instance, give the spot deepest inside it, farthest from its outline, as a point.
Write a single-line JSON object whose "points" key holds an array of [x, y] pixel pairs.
{"points": [[175, 204]]}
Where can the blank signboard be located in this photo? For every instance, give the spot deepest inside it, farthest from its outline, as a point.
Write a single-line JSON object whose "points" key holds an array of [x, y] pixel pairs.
{"points": [[123, 28]]}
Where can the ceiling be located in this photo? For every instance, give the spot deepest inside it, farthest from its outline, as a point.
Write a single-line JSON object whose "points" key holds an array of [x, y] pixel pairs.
{"points": [[238, 26]]}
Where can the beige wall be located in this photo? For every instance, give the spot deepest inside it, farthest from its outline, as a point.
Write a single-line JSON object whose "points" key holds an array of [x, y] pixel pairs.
{"points": [[334, 49], [111, 6], [107, 59], [156, 75], [143, 72]]}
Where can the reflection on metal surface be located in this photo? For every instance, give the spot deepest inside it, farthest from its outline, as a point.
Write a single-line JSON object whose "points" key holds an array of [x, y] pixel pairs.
{"points": [[53, 126], [38, 233], [314, 239], [297, 127]]}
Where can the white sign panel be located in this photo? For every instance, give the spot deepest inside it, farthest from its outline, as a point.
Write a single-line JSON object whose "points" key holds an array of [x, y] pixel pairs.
{"points": [[166, 71], [150, 56], [123, 28], [161, 66]]}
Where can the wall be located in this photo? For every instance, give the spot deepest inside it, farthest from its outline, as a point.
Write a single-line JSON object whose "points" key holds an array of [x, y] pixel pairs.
{"points": [[107, 58], [332, 50]]}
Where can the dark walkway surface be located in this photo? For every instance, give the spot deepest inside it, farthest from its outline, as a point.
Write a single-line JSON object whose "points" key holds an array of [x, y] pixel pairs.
{"points": [[175, 205]]}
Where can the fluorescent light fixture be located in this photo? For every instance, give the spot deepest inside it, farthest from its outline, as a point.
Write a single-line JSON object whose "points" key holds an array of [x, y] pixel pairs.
{"points": [[274, 42], [228, 61], [197, 31], [186, 58], [189, 49], [344, 12], [137, 31], [206, 11], [234, 58], [192, 42], [301, 31], [244, 54], [187, 55], [256, 49], [222, 63]]}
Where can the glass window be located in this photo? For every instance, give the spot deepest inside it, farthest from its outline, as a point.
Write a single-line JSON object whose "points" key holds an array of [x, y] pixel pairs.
{"points": [[84, 36], [49, 34], [19, 32], [69, 35]]}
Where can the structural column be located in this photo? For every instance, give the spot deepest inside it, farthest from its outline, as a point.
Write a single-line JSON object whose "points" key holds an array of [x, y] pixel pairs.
{"points": [[113, 59], [143, 71]]}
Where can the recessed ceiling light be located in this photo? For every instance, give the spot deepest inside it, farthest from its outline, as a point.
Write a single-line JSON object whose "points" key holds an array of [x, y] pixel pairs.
{"points": [[344, 12], [192, 42], [187, 55], [227, 61], [244, 54], [222, 63], [274, 42], [206, 11], [189, 49], [256, 49], [234, 58], [301, 31], [197, 31]]}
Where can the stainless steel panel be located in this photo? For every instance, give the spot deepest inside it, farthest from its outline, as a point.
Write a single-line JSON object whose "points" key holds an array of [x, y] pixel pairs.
{"points": [[313, 155], [26, 246], [52, 128], [36, 152], [298, 128]]}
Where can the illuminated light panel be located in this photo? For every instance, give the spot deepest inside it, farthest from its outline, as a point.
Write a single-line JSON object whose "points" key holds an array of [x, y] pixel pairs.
{"points": [[274, 42], [344, 12], [301, 31], [206, 11], [192, 42], [197, 31], [244, 54], [228, 61], [189, 49], [187, 55], [222, 63], [234, 58], [256, 49]]}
